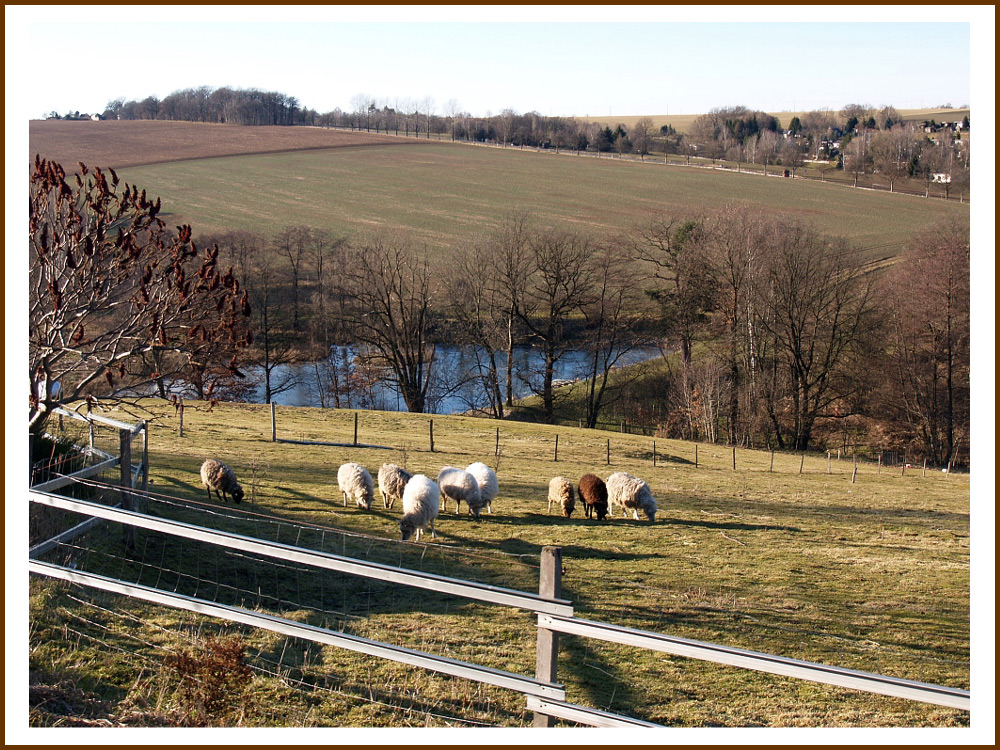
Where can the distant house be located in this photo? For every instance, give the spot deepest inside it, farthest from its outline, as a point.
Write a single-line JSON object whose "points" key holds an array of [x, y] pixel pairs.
{"points": [[941, 177], [95, 118]]}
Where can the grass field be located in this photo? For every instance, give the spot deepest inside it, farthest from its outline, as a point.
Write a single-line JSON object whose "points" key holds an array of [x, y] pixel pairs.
{"points": [[445, 194], [871, 575], [219, 178]]}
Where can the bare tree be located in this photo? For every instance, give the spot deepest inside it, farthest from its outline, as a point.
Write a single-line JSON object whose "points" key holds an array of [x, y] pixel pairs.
{"points": [[293, 243], [856, 155], [735, 241], [108, 284], [386, 287], [509, 249], [561, 281], [818, 309], [767, 147], [642, 135], [930, 353], [892, 150], [613, 317], [273, 343]]}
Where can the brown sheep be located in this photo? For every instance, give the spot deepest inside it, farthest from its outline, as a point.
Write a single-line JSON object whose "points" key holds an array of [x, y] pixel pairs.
{"points": [[594, 495]]}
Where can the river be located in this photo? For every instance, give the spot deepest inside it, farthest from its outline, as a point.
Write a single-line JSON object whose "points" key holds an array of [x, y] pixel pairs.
{"points": [[455, 387]]}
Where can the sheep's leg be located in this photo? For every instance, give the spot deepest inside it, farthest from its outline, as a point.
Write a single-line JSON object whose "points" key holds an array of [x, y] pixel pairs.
{"points": [[433, 533]]}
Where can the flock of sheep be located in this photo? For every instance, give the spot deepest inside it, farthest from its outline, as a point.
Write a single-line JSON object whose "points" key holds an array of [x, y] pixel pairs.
{"points": [[476, 485]]}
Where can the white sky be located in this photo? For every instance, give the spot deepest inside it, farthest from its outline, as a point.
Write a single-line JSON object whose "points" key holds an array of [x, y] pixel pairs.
{"points": [[556, 60]]}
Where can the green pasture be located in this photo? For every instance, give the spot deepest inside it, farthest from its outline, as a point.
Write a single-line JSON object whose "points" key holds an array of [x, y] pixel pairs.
{"points": [[801, 559], [443, 195]]}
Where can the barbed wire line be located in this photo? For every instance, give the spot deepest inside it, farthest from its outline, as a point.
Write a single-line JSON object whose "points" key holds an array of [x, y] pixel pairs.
{"points": [[260, 662]]}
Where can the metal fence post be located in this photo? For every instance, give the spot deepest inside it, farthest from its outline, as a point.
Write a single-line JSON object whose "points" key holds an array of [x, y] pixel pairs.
{"points": [[547, 654]]}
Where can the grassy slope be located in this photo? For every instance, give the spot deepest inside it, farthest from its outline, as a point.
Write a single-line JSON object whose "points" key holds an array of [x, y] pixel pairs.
{"points": [[444, 194], [872, 575]]}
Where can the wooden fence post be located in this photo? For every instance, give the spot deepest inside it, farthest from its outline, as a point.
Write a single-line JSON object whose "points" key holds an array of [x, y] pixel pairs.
{"points": [[496, 451], [654, 453], [772, 460], [180, 411], [609, 451], [125, 474], [855, 474], [829, 466], [355, 428], [802, 463], [432, 435], [734, 458], [274, 424], [557, 447], [696, 455], [547, 654]]}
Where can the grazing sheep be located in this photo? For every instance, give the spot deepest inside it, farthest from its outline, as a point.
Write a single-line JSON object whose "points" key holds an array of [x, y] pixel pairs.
{"points": [[593, 494], [354, 480], [561, 493], [487, 480], [392, 480], [421, 500], [459, 485], [631, 493], [215, 475]]}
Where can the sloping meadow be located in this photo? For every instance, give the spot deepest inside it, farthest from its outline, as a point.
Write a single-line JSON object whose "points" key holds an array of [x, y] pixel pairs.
{"points": [[802, 559]]}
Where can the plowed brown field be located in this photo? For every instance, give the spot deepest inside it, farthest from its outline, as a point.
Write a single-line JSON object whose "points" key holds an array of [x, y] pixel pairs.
{"points": [[116, 144]]}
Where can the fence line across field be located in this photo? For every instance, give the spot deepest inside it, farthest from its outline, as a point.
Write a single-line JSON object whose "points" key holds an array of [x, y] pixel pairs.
{"points": [[657, 458], [546, 696]]}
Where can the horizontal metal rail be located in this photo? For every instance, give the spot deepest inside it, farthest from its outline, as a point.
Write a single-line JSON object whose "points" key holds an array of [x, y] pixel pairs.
{"points": [[584, 715], [134, 429], [803, 670], [60, 482], [468, 589], [294, 629]]}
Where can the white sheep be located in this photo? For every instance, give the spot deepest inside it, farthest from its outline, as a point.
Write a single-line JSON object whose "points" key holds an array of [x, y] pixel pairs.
{"points": [[561, 493], [421, 501], [459, 485], [630, 493], [215, 475], [392, 480], [486, 478], [353, 480]]}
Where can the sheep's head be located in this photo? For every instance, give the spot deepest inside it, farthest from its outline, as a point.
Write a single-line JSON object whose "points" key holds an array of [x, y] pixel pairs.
{"points": [[238, 494], [407, 527]]}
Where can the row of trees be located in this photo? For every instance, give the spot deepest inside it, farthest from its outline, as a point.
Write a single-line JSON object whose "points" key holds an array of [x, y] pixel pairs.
{"points": [[772, 332], [222, 105]]}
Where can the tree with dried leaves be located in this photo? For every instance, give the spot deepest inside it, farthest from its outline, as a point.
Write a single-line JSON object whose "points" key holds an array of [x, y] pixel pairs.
{"points": [[109, 286]]}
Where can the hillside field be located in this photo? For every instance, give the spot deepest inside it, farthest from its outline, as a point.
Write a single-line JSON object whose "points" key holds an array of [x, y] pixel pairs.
{"points": [[871, 574]]}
